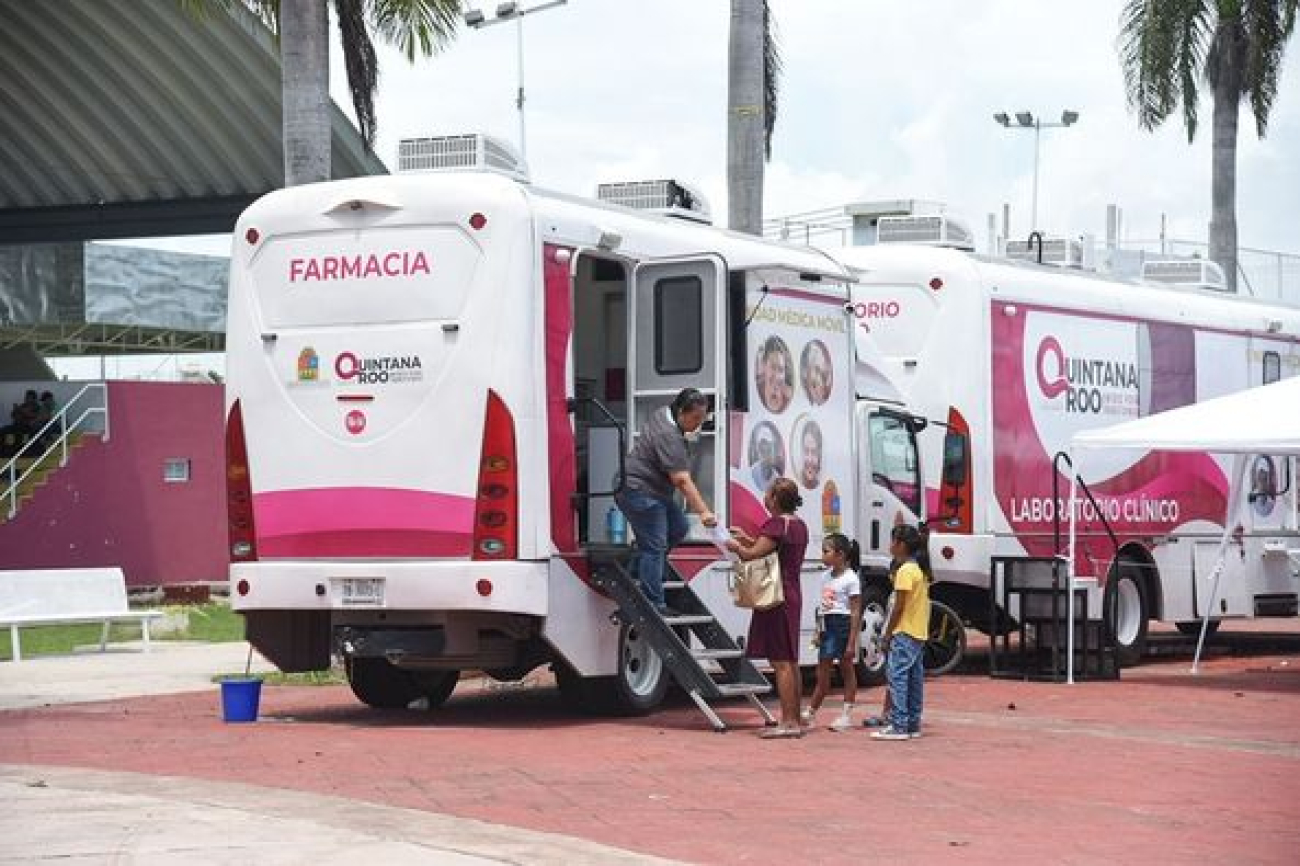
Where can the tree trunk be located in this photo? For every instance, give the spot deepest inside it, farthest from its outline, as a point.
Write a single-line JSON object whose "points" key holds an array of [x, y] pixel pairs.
{"points": [[1223, 172], [304, 78], [745, 117]]}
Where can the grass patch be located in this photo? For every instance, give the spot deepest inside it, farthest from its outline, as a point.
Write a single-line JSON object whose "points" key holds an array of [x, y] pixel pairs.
{"points": [[214, 622], [331, 677]]}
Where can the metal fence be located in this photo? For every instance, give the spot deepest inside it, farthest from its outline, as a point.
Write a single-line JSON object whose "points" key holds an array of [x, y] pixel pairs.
{"points": [[1267, 274]]}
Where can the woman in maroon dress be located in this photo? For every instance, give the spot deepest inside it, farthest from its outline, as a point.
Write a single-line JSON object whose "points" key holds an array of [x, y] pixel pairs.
{"points": [[774, 634]]}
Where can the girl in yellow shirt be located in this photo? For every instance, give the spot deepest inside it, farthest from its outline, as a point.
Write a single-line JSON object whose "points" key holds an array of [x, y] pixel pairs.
{"points": [[906, 633]]}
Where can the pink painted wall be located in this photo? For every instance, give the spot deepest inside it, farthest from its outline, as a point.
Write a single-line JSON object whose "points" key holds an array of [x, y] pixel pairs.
{"points": [[110, 505]]}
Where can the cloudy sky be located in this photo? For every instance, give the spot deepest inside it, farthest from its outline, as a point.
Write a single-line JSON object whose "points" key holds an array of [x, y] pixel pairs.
{"points": [[879, 100]]}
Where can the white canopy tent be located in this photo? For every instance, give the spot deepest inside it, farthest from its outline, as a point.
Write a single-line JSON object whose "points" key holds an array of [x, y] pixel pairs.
{"points": [[1263, 420]]}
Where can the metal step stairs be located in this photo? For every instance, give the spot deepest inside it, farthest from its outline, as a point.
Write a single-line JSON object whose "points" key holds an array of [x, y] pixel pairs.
{"points": [[694, 647]]}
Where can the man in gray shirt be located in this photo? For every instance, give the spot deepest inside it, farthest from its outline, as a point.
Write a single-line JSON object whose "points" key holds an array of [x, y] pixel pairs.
{"points": [[658, 466]]}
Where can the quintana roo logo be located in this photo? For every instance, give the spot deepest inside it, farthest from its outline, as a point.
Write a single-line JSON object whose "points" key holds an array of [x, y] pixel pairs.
{"points": [[1050, 351]]}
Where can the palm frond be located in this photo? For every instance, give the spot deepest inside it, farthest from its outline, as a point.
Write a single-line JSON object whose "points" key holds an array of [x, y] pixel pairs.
{"points": [[1267, 26], [361, 62], [771, 77], [267, 11], [411, 25], [1162, 48]]}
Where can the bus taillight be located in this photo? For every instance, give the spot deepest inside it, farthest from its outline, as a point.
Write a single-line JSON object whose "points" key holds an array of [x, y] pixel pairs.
{"points": [[239, 491], [496, 513]]}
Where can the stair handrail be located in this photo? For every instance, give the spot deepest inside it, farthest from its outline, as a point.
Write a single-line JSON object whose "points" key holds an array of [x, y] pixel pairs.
{"points": [[573, 404], [1056, 499], [66, 429]]}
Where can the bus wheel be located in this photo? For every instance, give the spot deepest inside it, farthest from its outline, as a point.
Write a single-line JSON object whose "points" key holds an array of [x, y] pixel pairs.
{"points": [[436, 686], [871, 655], [378, 684], [1193, 628], [947, 642], [1130, 614], [637, 688]]}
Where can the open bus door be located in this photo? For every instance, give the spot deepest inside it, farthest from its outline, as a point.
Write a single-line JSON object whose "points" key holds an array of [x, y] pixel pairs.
{"points": [[677, 315]]}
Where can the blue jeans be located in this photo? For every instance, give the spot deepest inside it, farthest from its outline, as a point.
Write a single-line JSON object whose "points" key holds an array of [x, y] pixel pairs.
{"points": [[660, 525], [906, 674]]}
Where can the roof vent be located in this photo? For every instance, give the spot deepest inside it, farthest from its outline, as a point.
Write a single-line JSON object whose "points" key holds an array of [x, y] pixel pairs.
{"points": [[1062, 252], [475, 152], [936, 230], [667, 197], [1185, 273]]}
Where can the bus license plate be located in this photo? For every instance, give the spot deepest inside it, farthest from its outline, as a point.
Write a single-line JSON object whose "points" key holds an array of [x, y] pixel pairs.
{"points": [[359, 591]]}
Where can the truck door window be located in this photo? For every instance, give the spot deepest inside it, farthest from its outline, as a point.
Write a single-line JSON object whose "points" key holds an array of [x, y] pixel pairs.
{"points": [[679, 325], [893, 460]]}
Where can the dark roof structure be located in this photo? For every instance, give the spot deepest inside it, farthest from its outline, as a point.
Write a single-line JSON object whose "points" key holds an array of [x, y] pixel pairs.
{"points": [[132, 118]]}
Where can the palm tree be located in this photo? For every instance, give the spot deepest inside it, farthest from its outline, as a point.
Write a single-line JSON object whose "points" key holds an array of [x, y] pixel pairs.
{"points": [[303, 30], [1168, 46], [752, 71]]}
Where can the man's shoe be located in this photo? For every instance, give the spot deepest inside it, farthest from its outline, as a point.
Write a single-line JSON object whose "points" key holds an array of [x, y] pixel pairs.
{"points": [[889, 734]]}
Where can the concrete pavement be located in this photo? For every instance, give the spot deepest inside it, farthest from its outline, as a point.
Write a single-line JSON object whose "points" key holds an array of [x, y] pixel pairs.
{"points": [[125, 670]]}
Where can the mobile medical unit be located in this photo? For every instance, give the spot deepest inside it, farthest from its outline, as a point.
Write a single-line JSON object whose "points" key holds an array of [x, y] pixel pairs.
{"points": [[1013, 357], [433, 379]]}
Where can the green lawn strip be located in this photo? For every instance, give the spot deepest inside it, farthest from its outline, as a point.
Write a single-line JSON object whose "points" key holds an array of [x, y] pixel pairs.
{"points": [[332, 677], [214, 622]]}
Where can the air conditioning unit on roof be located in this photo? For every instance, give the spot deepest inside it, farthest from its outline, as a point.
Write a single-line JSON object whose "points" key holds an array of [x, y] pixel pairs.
{"points": [[1062, 252], [1186, 273], [667, 197], [936, 230], [474, 152]]}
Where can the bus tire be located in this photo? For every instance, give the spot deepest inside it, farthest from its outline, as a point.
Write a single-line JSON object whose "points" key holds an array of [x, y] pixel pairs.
{"points": [[436, 686], [1131, 613], [1193, 628], [870, 668], [639, 686], [377, 683], [946, 645]]}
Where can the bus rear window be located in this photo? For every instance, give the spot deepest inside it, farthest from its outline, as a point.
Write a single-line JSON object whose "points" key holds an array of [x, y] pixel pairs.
{"points": [[379, 277]]}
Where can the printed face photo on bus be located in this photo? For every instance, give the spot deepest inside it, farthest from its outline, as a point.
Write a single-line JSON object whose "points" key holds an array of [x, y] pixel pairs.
{"points": [[766, 455], [1263, 485], [774, 374], [815, 372], [808, 442]]}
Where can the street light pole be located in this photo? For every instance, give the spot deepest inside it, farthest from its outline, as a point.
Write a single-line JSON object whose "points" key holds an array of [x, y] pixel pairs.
{"points": [[476, 20], [1026, 120]]}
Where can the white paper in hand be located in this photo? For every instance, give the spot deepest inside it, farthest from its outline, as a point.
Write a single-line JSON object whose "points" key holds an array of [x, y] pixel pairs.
{"points": [[719, 536]]}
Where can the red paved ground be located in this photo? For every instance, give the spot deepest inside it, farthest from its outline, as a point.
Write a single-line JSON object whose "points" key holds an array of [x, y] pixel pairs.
{"points": [[1159, 768]]}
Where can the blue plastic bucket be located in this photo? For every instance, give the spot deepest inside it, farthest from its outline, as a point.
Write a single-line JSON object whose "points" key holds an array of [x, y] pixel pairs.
{"points": [[239, 699]]}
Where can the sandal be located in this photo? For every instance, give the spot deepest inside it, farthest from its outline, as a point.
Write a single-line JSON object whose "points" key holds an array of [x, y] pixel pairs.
{"points": [[779, 733]]}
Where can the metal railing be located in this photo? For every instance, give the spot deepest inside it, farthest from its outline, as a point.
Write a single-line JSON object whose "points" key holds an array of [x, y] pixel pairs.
{"points": [[41, 444]]}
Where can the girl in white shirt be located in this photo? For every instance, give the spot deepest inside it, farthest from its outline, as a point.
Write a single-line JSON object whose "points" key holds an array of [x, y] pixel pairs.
{"points": [[839, 618]]}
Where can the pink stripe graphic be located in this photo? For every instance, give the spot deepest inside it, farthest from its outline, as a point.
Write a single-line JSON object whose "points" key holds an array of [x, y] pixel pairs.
{"points": [[362, 521]]}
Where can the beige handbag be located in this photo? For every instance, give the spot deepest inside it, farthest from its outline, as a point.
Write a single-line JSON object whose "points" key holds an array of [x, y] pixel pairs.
{"points": [[757, 583]]}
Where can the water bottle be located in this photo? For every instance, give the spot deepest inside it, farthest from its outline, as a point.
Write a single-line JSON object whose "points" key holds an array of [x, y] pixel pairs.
{"points": [[615, 526]]}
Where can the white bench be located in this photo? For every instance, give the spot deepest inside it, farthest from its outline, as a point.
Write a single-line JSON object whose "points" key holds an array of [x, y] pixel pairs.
{"points": [[67, 595]]}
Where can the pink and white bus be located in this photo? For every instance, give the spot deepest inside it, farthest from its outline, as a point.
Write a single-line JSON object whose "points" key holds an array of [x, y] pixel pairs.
{"points": [[1015, 358], [431, 376]]}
